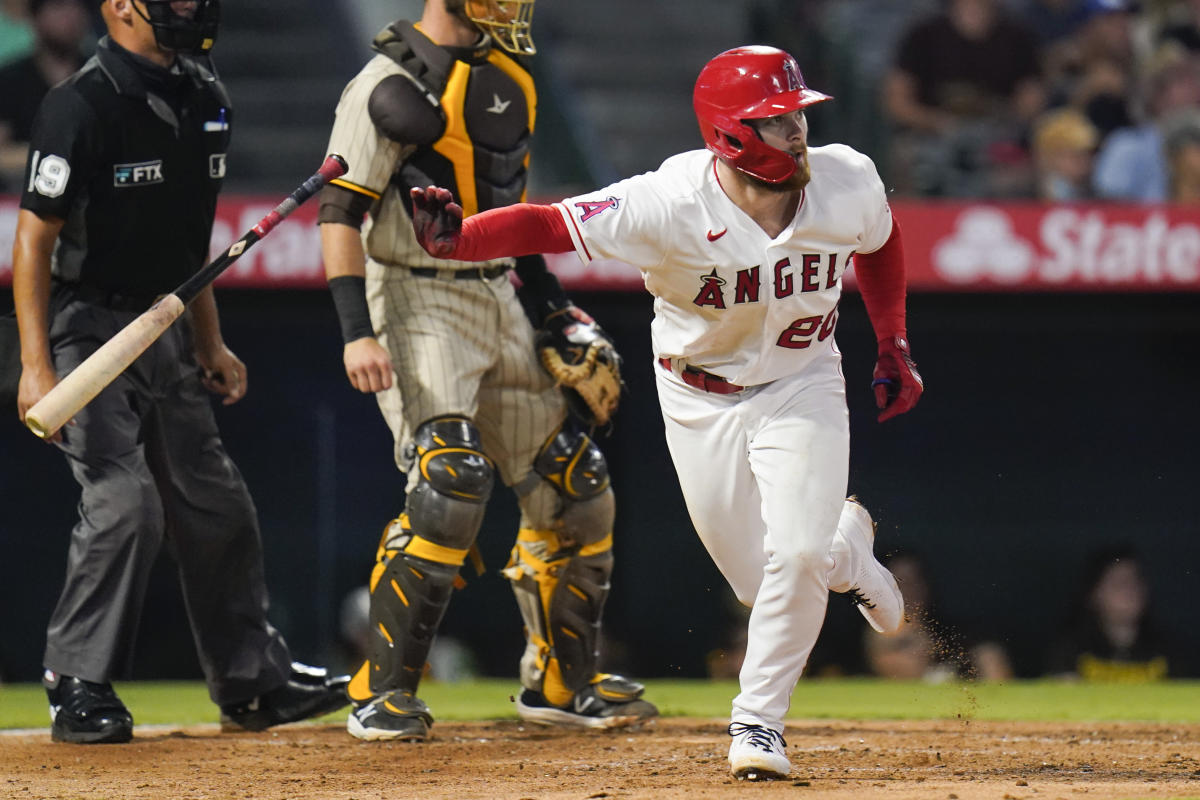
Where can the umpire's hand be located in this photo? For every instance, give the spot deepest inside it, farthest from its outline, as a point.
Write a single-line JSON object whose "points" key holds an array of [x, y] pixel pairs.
{"points": [[224, 373]]}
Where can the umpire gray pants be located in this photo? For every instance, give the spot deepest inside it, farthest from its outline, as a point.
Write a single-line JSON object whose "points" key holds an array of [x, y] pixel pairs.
{"points": [[152, 469]]}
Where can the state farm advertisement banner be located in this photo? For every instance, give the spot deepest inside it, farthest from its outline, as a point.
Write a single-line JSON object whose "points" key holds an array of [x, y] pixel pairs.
{"points": [[949, 247], [1041, 247]]}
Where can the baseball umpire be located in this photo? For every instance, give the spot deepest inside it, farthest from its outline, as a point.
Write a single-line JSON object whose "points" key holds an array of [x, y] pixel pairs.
{"points": [[125, 164], [450, 100]]}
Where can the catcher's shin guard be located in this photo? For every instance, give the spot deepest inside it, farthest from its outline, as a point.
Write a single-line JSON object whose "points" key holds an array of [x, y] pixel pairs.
{"points": [[561, 564], [420, 555], [561, 593], [409, 595]]}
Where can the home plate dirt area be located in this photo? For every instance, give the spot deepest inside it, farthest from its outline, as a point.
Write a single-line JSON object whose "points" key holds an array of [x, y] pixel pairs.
{"points": [[670, 759]]}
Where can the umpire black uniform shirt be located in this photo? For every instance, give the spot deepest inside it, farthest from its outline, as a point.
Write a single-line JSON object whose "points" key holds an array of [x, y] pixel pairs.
{"points": [[131, 156]]}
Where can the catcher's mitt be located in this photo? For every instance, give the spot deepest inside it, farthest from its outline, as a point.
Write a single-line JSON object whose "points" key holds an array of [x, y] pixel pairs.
{"points": [[581, 358]]}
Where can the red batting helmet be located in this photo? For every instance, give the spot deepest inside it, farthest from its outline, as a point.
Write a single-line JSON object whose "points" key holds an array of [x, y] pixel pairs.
{"points": [[750, 83]]}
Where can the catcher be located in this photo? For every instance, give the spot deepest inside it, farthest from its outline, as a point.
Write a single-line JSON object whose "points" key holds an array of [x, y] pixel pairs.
{"points": [[478, 394]]}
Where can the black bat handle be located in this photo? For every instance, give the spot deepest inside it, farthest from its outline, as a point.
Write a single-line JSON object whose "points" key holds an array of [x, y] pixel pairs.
{"points": [[333, 167]]}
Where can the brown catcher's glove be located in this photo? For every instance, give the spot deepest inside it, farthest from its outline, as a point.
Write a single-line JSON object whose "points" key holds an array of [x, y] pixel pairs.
{"points": [[581, 358]]}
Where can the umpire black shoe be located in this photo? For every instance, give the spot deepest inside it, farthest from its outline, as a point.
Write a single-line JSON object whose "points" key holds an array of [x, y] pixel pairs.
{"points": [[309, 692], [83, 712], [610, 701], [395, 716]]}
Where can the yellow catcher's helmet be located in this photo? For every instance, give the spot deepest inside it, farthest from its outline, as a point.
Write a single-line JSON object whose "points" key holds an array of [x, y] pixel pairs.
{"points": [[506, 21]]}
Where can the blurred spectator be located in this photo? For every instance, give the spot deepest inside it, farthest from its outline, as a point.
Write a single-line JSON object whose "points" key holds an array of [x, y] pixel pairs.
{"points": [[1064, 144], [1095, 70], [1111, 636], [16, 34], [964, 86], [1183, 158], [1051, 20], [925, 648], [1180, 24], [1132, 164], [852, 43], [60, 27], [848, 46]]}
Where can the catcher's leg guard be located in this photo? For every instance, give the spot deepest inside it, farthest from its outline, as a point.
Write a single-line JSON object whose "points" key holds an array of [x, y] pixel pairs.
{"points": [[420, 554], [560, 569]]}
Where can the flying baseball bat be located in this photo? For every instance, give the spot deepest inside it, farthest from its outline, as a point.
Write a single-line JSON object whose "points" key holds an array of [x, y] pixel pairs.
{"points": [[99, 369]]}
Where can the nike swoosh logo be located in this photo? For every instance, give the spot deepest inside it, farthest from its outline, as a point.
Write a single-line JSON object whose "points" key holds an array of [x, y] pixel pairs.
{"points": [[498, 106], [712, 237]]}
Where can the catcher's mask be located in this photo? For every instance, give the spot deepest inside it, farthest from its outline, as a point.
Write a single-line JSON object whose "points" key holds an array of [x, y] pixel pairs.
{"points": [[193, 35], [506, 21], [750, 83]]}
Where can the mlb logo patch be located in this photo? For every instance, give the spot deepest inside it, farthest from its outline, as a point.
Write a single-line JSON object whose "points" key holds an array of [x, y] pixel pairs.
{"points": [[140, 174], [216, 165]]}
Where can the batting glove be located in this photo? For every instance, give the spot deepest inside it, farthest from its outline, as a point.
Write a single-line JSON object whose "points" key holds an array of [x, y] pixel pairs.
{"points": [[437, 220], [897, 383]]}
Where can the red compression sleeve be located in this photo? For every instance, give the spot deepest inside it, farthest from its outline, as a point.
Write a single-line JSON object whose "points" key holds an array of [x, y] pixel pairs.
{"points": [[881, 281], [518, 230]]}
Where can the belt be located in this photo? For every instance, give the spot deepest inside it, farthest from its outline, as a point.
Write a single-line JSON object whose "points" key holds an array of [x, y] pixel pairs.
{"points": [[469, 274], [704, 381], [115, 299]]}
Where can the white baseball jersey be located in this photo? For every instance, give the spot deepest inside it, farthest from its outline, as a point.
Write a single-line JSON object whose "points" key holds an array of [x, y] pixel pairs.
{"points": [[728, 298], [763, 471]]}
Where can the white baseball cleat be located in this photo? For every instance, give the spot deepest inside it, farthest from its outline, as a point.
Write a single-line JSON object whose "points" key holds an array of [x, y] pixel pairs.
{"points": [[757, 753], [872, 587]]}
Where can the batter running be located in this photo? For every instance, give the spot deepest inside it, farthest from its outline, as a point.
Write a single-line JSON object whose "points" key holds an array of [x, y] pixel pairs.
{"points": [[743, 247]]}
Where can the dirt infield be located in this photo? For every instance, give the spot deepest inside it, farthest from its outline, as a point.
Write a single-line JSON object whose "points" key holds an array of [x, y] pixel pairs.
{"points": [[670, 760]]}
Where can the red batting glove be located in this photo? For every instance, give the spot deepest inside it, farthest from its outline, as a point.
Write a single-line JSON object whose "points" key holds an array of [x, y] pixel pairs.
{"points": [[897, 383], [437, 220]]}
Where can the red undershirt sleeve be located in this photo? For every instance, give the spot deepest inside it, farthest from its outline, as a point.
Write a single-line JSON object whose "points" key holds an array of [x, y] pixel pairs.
{"points": [[517, 230], [882, 282]]}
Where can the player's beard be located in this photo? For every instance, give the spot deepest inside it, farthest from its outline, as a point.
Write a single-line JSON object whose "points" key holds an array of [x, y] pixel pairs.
{"points": [[793, 183]]}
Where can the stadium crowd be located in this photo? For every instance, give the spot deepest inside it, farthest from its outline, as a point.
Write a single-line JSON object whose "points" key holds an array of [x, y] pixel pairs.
{"points": [[1058, 100]]}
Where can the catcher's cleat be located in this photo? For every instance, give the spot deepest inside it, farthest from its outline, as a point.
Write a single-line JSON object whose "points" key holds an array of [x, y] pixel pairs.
{"points": [[609, 702], [396, 716], [309, 692], [757, 753], [873, 588], [83, 712]]}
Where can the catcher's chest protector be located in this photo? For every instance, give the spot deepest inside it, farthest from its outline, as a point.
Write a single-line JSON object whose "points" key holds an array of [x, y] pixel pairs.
{"points": [[487, 102]]}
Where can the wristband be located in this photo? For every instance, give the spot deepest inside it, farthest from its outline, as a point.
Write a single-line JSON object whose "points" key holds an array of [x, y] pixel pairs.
{"points": [[350, 299]]}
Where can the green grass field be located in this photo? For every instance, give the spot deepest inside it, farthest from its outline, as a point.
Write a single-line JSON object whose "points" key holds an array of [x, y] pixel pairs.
{"points": [[24, 705]]}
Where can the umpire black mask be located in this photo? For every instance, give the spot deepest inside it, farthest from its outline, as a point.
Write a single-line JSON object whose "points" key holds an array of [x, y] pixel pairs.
{"points": [[193, 35]]}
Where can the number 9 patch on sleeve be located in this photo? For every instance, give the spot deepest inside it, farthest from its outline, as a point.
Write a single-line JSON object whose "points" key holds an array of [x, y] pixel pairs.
{"points": [[49, 175]]}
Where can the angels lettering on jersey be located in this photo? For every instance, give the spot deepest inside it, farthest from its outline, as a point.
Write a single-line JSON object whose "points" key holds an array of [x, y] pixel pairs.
{"points": [[785, 280], [747, 306]]}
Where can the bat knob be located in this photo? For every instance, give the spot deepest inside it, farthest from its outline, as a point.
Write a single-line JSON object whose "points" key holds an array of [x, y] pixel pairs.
{"points": [[335, 166], [35, 424]]}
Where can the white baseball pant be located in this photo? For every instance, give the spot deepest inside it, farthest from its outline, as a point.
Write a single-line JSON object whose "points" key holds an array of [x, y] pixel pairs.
{"points": [[764, 475]]}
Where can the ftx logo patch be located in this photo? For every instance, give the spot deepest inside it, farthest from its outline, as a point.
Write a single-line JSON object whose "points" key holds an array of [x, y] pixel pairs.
{"points": [[140, 174]]}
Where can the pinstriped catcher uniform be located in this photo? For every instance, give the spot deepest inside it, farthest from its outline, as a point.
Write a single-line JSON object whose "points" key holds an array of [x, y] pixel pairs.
{"points": [[470, 399]]}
